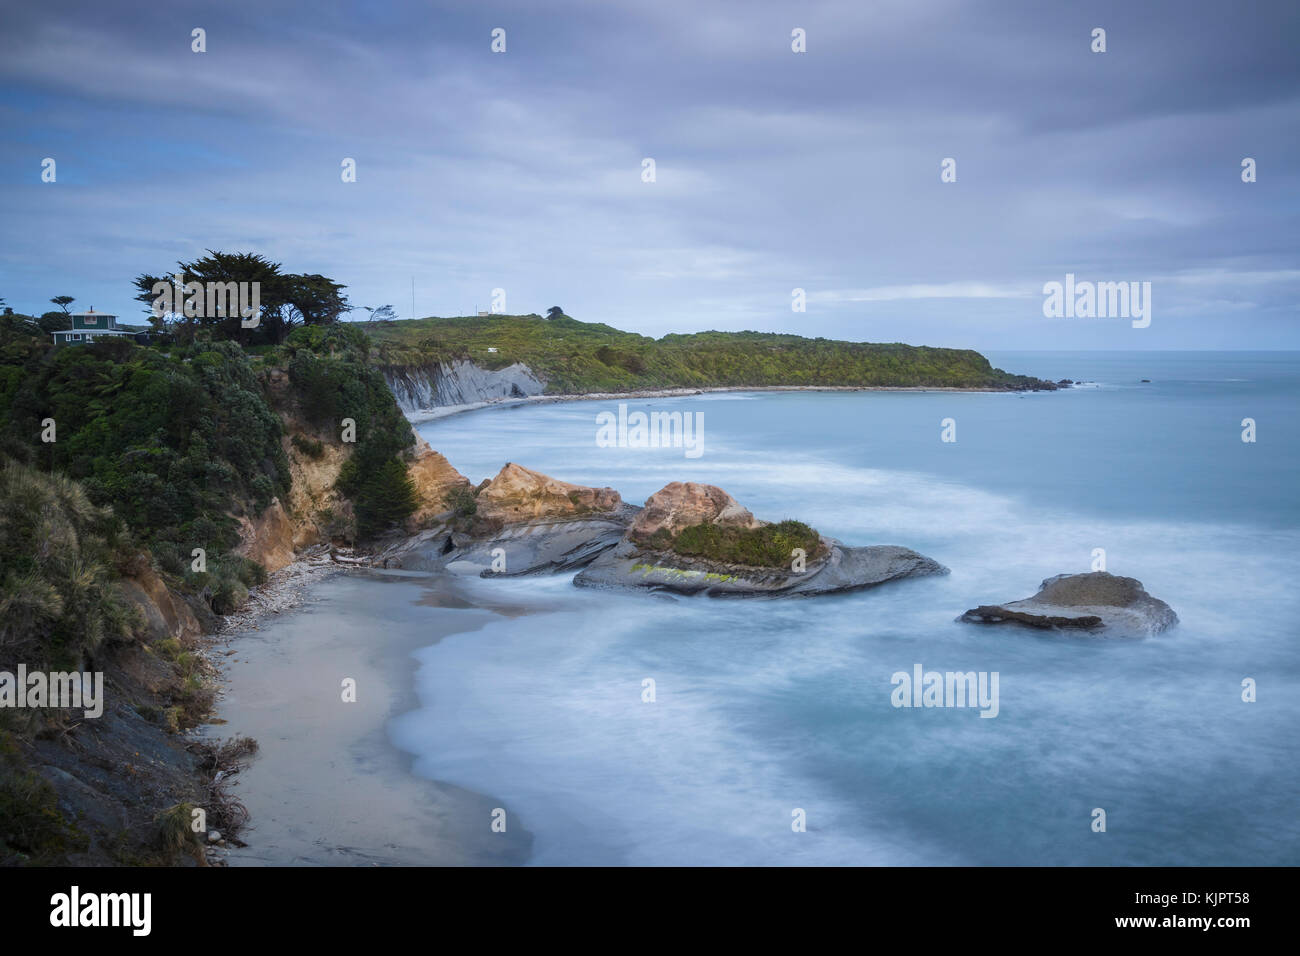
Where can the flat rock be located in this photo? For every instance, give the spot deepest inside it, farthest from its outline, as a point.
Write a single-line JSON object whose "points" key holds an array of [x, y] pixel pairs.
{"points": [[1097, 603], [541, 546], [842, 568]]}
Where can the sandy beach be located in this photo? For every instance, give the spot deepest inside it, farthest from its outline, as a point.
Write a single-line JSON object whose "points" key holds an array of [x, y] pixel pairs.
{"points": [[327, 787], [443, 411]]}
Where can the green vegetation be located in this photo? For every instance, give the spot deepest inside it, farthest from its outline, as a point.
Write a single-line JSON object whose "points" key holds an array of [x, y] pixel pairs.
{"points": [[680, 573], [576, 357], [311, 447], [58, 557], [174, 443], [329, 370], [285, 300], [32, 830], [180, 441], [117, 458], [462, 501], [768, 546], [175, 834]]}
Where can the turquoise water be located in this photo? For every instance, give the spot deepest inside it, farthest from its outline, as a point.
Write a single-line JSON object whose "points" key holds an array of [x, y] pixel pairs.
{"points": [[765, 707]]}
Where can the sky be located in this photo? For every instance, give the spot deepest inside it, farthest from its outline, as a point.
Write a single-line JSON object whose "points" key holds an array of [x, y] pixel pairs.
{"points": [[774, 170]]}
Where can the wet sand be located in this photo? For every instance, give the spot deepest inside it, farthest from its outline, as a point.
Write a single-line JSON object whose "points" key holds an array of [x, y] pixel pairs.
{"points": [[327, 787]]}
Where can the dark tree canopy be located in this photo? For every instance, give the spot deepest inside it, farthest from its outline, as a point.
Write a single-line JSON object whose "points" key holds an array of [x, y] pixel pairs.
{"points": [[553, 311], [285, 300], [54, 322]]}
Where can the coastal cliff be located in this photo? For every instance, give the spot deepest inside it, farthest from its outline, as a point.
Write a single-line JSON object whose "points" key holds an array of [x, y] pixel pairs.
{"points": [[467, 360], [420, 388], [180, 478]]}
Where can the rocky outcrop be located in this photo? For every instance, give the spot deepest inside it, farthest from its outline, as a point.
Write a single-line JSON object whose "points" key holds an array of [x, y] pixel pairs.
{"points": [[1094, 603], [543, 546], [459, 382], [639, 562], [267, 538], [433, 477], [530, 523], [681, 504], [165, 614], [315, 508], [521, 494], [526, 523]]}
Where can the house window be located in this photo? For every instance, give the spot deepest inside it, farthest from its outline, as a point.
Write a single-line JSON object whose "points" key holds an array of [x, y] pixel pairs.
{"points": [[92, 320]]}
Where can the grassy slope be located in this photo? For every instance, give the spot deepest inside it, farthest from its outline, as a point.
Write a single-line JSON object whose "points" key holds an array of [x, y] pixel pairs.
{"points": [[575, 357]]}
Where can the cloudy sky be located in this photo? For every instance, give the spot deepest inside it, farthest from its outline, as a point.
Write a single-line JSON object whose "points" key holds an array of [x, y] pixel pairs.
{"points": [[774, 170]]}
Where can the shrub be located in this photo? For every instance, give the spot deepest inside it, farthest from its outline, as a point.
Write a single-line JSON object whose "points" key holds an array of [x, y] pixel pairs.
{"points": [[175, 831], [310, 447], [31, 828], [57, 556], [462, 501], [769, 546]]}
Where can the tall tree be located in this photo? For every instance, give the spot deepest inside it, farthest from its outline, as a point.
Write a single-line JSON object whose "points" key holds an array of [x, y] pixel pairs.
{"points": [[63, 301], [314, 299], [285, 299]]}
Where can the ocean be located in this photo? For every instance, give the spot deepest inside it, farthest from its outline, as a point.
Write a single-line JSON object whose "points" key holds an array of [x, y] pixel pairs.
{"points": [[765, 713]]}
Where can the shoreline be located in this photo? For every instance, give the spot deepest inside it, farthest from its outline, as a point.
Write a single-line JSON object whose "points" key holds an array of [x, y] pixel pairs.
{"points": [[283, 590], [277, 680], [444, 411], [328, 787]]}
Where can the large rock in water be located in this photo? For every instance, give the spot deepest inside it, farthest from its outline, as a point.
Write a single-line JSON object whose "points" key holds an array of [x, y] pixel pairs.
{"points": [[526, 523], [841, 568], [1096, 602], [543, 546], [521, 494], [681, 504], [636, 565]]}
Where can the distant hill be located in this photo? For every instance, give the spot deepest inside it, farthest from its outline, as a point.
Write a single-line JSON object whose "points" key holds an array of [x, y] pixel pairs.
{"points": [[578, 357]]}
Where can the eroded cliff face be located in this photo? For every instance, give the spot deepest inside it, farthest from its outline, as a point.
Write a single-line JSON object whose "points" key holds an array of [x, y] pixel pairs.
{"points": [[459, 382], [166, 615], [434, 478], [316, 510], [267, 538], [314, 513]]}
